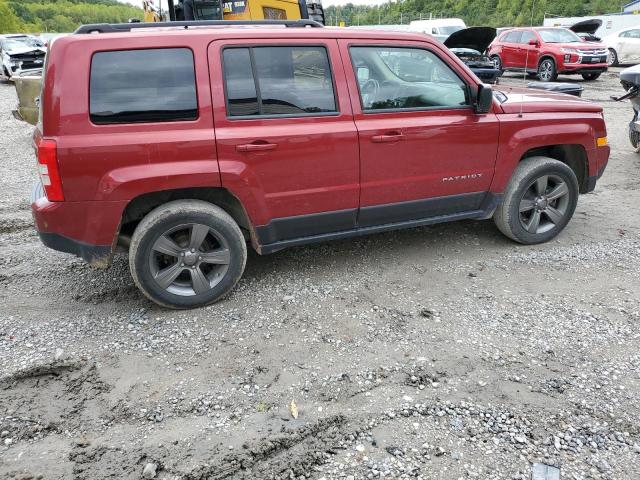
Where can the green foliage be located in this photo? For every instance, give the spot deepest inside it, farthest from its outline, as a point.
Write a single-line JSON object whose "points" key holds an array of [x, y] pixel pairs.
{"points": [[39, 16], [496, 13]]}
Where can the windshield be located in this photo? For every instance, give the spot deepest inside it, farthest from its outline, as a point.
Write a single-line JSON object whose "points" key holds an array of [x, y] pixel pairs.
{"points": [[21, 42], [450, 29], [558, 35]]}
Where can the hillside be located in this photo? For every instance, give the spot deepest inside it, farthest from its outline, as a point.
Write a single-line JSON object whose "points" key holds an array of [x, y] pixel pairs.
{"points": [[496, 13], [60, 15]]}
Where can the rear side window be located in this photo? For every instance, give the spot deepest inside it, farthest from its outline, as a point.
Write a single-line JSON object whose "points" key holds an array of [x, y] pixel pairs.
{"points": [[156, 85], [294, 81], [512, 37]]}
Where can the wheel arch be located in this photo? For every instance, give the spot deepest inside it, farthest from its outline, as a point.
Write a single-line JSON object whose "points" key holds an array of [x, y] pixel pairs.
{"points": [[549, 56], [572, 155], [140, 206]]}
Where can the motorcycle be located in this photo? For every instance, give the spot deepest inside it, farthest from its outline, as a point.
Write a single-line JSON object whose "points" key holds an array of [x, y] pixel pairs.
{"points": [[630, 80]]}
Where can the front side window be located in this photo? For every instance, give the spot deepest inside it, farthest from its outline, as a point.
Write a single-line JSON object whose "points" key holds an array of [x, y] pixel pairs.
{"points": [[278, 81], [156, 85], [527, 36], [391, 78]]}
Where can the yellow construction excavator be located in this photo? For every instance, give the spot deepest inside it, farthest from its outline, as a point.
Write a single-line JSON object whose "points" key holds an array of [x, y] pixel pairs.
{"points": [[181, 10]]}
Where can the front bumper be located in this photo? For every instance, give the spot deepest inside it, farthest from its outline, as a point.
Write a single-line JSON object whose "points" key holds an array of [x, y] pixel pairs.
{"points": [[86, 229], [602, 157], [580, 68]]}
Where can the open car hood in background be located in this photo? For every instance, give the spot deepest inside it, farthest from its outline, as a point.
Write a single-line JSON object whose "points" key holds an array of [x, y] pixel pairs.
{"points": [[476, 38], [586, 26]]}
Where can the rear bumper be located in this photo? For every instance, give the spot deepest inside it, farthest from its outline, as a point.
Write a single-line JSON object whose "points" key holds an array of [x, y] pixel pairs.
{"points": [[94, 255], [86, 229]]}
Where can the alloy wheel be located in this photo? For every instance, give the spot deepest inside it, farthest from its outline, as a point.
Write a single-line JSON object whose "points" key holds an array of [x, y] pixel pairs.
{"points": [[544, 204], [189, 259], [545, 70]]}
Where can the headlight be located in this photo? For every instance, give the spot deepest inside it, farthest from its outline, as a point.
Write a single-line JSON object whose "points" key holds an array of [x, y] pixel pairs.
{"points": [[14, 63], [568, 50]]}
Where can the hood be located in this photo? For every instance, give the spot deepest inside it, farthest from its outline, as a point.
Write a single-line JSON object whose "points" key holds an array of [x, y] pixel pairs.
{"points": [[580, 45], [529, 100], [586, 26], [25, 49], [476, 38]]}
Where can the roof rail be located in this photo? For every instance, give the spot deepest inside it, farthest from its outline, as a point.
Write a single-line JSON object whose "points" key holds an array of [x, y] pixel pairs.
{"points": [[127, 27]]}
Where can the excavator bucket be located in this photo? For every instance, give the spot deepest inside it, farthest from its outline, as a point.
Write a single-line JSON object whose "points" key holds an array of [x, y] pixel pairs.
{"points": [[28, 89]]}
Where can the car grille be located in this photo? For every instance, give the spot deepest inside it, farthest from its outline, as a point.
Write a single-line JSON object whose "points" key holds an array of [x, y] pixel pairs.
{"points": [[599, 51], [30, 60]]}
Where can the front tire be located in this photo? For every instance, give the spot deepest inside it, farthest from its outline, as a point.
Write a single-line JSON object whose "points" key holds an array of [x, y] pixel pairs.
{"points": [[497, 63], [613, 58], [591, 76], [538, 202], [186, 254], [547, 71]]}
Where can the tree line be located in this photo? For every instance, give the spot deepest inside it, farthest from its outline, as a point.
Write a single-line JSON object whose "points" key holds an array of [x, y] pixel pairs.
{"points": [[66, 15], [38, 16], [494, 13]]}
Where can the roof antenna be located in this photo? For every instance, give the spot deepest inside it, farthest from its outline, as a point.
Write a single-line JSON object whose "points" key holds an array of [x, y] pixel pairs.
{"points": [[526, 60]]}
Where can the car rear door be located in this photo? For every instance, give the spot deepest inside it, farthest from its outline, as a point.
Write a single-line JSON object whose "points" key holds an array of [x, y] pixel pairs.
{"points": [[511, 49], [286, 140], [423, 151]]}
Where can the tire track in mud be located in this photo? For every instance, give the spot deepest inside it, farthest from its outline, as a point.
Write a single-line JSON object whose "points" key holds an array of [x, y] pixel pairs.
{"points": [[294, 452]]}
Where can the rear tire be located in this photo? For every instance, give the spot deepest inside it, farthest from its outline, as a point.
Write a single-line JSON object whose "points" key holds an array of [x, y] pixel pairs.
{"points": [[613, 58], [538, 202], [547, 71], [186, 254], [590, 76]]}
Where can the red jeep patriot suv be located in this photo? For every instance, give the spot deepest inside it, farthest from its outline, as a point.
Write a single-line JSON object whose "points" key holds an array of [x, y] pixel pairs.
{"points": [[547, 51], [181, 143]]}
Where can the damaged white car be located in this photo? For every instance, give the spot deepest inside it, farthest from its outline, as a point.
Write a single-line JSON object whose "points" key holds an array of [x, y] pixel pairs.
{"points": [[21, 55]]}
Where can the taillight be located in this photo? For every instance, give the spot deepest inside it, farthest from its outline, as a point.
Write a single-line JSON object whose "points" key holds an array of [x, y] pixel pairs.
{"points": [[48, 170]]}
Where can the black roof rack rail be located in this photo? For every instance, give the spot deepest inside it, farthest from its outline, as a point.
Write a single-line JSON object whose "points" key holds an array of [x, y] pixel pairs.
{"points": [[127, 27]]}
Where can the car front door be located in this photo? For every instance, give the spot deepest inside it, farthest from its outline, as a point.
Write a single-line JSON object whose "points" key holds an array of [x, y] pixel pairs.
{"points": [[423, 151], [286, 140], [528, 54], [630, 47]]}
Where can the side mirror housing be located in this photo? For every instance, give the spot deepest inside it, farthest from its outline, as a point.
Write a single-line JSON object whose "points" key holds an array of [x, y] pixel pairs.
{"points": [[484, 99], [534, 43]]}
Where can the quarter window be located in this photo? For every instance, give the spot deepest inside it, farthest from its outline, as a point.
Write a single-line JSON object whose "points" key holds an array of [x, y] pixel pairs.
{"points": [[392, 78], [129, 86], [271, 81]]}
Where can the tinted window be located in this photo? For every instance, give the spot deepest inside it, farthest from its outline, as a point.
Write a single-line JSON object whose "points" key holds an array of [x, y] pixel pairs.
{"points": [[512, 37], [290, 81], [143, 86], [241, 89], [405, 78], [527, 36]]}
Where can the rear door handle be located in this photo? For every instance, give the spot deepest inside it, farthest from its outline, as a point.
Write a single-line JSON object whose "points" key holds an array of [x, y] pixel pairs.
{"points": [[389, 137], [256, 147]]}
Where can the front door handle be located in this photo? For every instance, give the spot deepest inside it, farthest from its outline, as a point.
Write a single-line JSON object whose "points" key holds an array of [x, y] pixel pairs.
{"points": [[389, 137], [256, 147]]}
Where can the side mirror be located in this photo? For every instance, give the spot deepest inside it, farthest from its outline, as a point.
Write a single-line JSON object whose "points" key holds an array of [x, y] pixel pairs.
{"points": [[534, 43], [484, 99]]}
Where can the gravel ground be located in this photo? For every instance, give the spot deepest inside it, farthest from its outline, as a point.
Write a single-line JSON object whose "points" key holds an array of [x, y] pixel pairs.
{"points": [[442, 352]]}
